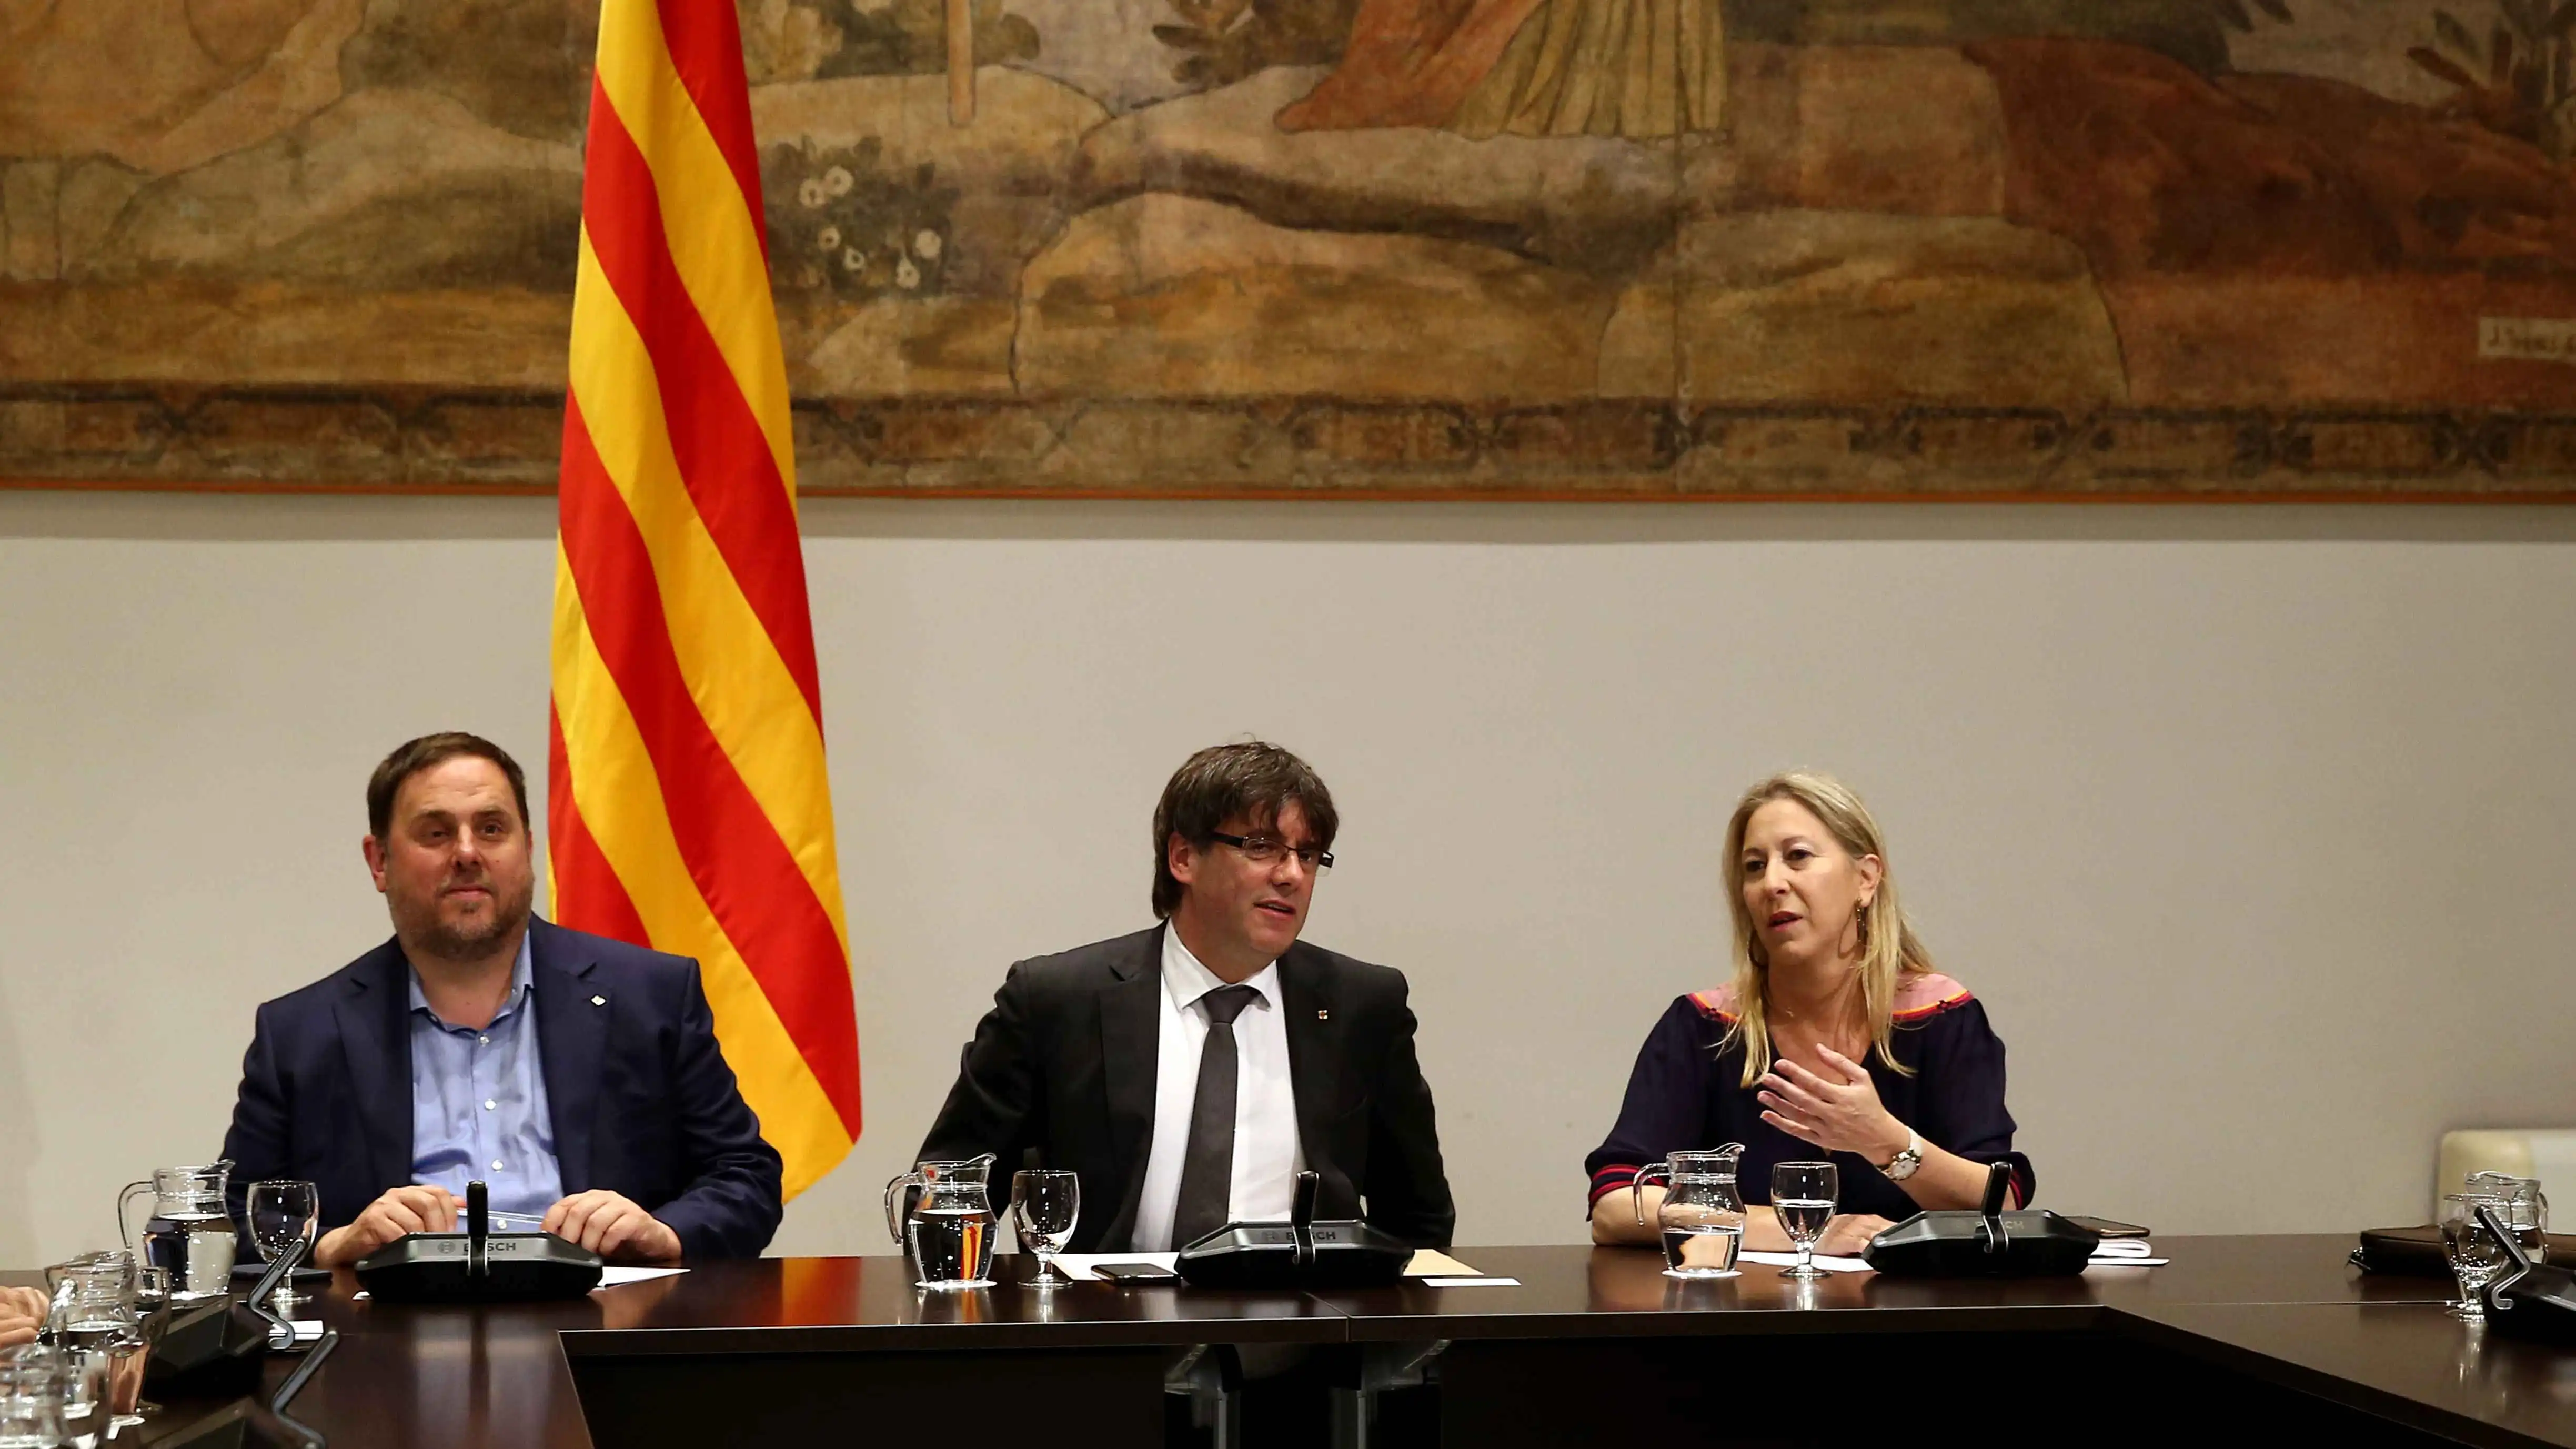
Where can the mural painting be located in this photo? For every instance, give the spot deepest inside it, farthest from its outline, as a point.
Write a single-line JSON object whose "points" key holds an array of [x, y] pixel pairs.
{"points": [[2286, 248]]}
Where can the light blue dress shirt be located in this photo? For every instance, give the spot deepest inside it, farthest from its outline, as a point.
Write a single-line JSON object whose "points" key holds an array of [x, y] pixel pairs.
{"points": [[478, 1101]]}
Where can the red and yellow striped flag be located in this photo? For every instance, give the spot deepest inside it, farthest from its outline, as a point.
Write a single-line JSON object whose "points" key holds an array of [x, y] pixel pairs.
{"points": [[688, 807]]}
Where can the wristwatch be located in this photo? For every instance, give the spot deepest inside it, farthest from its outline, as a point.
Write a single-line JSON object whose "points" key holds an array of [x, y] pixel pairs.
{"points": [[1902, 1166]]}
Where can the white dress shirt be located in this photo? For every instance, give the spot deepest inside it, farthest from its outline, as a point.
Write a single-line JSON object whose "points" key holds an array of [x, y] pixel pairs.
{"points": [[1267, 1155]]}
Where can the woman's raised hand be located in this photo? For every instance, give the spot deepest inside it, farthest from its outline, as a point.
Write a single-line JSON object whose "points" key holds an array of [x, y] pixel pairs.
{"points": [[1839, 1112]]}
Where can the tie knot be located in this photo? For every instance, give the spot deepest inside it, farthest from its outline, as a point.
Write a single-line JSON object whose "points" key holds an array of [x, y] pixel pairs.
{"points": [[1227, 1002]]}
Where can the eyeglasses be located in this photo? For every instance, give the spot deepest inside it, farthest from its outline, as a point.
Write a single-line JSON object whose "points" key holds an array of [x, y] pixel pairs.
{"points": [[1265, 850]]}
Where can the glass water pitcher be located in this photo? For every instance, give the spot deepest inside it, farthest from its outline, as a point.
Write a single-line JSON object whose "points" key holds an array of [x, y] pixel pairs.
{"points": [[2527, 1212], [1702, 1214], [190, 1232], [943, 1215]]}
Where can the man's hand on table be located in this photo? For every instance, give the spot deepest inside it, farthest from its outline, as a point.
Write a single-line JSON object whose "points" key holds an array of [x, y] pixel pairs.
{"points": [[614, 1227], [22, 1312], [400, 1212]]}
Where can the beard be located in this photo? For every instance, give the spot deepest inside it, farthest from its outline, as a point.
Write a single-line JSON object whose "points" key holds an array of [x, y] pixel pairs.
{"points": [[427, 931]]}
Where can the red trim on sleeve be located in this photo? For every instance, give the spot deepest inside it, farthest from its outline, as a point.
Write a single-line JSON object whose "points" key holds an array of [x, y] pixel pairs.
{"points": [[1622, 1174]]}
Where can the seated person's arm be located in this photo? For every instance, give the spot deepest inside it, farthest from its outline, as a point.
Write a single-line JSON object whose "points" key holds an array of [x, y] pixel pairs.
{"points": [[1963, 1105], [993, 1106], [1665, 1109], [734, 1199], [1844, 1237], [1408, 1189], [263, 1116], [1947, 1180], [1614, 1217], [1614, 1224]]}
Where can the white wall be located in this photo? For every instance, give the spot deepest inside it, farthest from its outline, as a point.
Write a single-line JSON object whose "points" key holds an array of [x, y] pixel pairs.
{"points": [[2250, 825]]}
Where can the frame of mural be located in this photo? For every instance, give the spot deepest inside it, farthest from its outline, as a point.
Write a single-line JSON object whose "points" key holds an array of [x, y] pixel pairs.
{"points": [[2280, 249]]}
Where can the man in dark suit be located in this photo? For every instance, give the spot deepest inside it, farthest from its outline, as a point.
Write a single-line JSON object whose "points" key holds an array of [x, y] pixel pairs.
{"points": [[578, 1076], [1187, 1072]]}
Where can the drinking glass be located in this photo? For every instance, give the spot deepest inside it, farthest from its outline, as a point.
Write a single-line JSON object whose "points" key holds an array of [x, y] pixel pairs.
{"points": [[107, 1319], [71, 1388], [284, 1213], [31, 1398], [2529, 1211], [151, 1298], [2476, 1257], [1044, 1207], [93, 1326], [1803, 1195]]}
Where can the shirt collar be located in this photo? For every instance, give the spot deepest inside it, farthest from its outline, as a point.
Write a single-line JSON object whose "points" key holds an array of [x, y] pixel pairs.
{"points": [[1186, 978], [522, 981]]}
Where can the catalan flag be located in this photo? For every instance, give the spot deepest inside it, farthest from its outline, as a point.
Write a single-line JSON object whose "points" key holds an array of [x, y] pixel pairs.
{"points": [[688, 808]]}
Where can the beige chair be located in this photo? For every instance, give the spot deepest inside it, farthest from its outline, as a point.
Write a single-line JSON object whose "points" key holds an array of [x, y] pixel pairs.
{"points": [[2547, 1153]]}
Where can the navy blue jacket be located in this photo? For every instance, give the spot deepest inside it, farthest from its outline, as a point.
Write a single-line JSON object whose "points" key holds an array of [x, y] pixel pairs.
{"points": [[642, 1100]]}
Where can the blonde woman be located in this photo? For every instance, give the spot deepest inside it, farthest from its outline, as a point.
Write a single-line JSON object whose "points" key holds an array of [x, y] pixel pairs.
{"points": [[1835, 1040]]}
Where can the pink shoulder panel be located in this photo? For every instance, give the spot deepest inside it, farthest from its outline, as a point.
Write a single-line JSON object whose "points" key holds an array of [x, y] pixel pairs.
{"points": [[1929, 994]]}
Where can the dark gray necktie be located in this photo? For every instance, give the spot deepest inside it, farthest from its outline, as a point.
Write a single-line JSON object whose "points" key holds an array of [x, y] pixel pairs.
{"points": [[1207, 1166]]}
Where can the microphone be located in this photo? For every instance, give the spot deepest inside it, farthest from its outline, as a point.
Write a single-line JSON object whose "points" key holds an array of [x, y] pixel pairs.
{"points": [[1998, 1182], [1301, 1216], [1999, 1176], [478, 1230]]}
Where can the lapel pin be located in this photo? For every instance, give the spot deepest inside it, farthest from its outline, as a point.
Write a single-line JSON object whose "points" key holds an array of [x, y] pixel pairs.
{"points": [[599, 1001], [1323, 1016]]}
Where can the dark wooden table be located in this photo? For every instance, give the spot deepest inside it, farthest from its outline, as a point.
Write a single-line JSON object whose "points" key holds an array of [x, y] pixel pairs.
{"points": [[2238, 1339]]}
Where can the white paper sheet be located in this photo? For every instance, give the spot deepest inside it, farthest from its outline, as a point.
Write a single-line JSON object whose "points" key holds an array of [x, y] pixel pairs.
{"points": [[612, 1277], [1426, 1265], [608, 1278], [1471, 1282], [1790, 1260]]}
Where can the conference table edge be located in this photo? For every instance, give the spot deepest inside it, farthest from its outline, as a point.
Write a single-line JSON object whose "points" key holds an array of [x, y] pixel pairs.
{"points": [[710, 1341], [1755, 1323], [2212, 1348], [1332, 1320]]}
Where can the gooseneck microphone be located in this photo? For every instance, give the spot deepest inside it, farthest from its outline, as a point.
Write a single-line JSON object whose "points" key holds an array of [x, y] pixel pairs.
{"points": [[1999, 1174], [1301, 1217], [478, 1230]]}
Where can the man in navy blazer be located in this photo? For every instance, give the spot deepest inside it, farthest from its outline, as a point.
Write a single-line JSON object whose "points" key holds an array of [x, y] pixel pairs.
{"points": [[579, 1076]]}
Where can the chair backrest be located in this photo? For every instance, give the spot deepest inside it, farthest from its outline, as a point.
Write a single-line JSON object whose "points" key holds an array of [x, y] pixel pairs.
{"points": [[2547, 1153]]}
